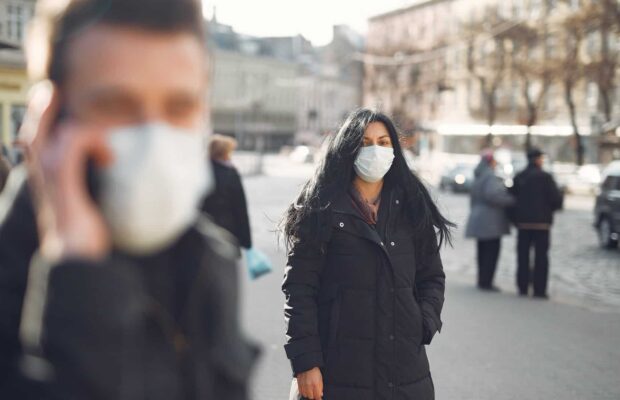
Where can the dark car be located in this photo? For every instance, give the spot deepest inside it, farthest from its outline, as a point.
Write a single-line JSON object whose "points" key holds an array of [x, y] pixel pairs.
{"points": [[607, 209], [458, 179]]}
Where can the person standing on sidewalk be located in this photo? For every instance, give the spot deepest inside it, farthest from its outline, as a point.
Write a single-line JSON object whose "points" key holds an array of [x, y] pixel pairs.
{"points": [[5, 169], [364, 282], [227, 204], [538, 197], [488, 221]]}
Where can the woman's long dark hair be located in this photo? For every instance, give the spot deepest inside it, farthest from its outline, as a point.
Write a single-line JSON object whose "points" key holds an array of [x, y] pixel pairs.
{"points": [[306, 219]]}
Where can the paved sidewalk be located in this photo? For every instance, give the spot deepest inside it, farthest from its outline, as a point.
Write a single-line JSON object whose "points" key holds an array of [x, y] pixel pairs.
{"points": [[500, 346]]}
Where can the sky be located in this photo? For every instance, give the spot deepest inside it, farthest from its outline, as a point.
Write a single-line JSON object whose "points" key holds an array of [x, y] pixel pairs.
{"points": [[311, 18]]}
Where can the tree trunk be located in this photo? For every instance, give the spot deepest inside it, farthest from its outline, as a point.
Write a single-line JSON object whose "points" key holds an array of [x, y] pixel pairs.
{"points": [[531, 114], [606, 98], [532, 117], [572, 109], [606, 71], [491, 115]]}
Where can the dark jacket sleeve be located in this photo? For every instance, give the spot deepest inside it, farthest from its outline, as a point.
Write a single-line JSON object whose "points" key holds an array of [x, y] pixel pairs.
{"points": [[495, 193], [243, 232], [18, 242], [430, 286], [301, 286], [231, 355], [555, 196]]}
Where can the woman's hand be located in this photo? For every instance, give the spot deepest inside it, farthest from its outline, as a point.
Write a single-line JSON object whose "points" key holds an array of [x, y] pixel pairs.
{"points": [[310, 384]]}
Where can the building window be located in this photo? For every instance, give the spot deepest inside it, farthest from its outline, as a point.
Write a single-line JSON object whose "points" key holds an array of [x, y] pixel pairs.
{"points": [[17, 17], [551, 4], [535, 8]]}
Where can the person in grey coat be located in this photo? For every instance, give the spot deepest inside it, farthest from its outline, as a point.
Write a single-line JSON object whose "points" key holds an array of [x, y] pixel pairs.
{"points": [[488, 221]]}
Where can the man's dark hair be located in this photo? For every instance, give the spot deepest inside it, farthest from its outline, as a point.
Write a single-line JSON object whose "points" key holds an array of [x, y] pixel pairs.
{"points": [[57, 22]]}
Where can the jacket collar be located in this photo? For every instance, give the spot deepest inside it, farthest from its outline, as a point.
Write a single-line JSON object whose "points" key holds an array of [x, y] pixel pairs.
{"points": [[359, 227]]}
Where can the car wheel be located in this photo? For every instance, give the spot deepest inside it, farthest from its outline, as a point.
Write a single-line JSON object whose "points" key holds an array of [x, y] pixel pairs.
{"points": [[605, 238]]}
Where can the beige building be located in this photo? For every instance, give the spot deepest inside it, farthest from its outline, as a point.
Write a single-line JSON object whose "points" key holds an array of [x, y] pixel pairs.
{"points": [[253, 99], [271, 92], [329, 88]]}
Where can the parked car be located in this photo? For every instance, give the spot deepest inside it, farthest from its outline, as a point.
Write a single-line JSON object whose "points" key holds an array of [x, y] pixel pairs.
{"points": [[459, 178], [573, 179], [607, 209]]}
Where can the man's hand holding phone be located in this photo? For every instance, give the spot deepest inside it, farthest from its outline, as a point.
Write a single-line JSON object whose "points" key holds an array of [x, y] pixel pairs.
{"points": [[57, 152]]}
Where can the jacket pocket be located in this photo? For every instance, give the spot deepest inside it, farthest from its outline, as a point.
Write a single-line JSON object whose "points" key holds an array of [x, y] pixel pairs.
{"points": [[409, 321], [419, 324], [334, 322], [329, 315]]}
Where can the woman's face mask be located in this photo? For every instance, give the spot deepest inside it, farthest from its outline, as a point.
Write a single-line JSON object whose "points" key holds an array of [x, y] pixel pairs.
{"points": [[151, 192], [373, 162]]}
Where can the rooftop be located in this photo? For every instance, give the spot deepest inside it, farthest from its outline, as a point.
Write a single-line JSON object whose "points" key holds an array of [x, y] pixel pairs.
{"points": [[416, 5]]}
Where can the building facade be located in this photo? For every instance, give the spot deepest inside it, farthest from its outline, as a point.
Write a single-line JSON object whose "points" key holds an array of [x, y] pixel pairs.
{"points": [[429, 66], [403, 76], [14, 18], [252, 99], [331, 88], [271, 92]]}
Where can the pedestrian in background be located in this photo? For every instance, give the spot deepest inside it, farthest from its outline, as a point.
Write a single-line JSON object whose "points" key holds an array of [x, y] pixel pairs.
{"points": [[537, 198], [124, 291], [488, 220], [364, 282], [227, 204], [5, 169]]}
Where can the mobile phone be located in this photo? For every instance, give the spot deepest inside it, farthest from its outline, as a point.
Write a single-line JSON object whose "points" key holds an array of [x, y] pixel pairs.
{"points": [[93, 180]]}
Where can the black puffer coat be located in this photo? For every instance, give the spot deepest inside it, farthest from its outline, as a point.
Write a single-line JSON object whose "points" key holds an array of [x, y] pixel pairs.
{"points": [[363, 309]]}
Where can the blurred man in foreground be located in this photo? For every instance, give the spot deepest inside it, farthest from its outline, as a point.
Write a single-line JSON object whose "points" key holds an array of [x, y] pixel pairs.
{"points": [[115, 286]]}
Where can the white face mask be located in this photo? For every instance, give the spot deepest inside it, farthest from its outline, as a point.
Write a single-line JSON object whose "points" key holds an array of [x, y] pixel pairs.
{"points": [[151, 192], [373, 162]]}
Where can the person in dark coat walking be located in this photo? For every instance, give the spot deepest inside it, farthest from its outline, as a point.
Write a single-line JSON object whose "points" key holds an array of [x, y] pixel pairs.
{"points": [[488, 220], [112, 285], [364, 282], [227, 204], [538, 197], [5, 169]]}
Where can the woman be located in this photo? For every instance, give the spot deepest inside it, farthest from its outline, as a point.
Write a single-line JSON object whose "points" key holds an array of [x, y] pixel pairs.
{"points": [[227, 205], [364, 283], [488, 220]]}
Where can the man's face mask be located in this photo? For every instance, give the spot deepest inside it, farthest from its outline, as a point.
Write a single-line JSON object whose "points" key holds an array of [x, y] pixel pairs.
{"points": [[373, 162], [151, 192]]}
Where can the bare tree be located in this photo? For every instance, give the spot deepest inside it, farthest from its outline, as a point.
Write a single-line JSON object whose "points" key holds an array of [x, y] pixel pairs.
{"points": [[487, 61], [531, 64], [569, 66], [601, 21]]}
